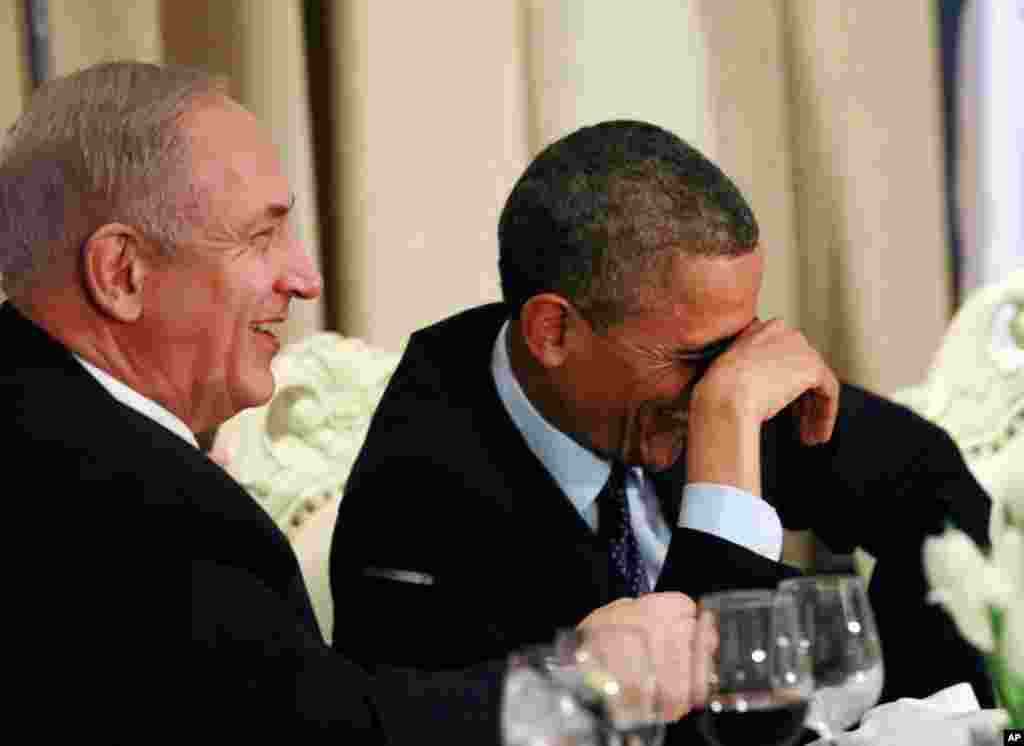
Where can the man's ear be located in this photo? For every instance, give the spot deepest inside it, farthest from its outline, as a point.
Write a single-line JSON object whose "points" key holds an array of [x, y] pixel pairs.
{"points": [[114, 270], [545, 321]]}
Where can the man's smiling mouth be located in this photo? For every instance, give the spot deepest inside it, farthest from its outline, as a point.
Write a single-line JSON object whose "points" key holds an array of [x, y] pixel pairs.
{"points": [[267, 327]]}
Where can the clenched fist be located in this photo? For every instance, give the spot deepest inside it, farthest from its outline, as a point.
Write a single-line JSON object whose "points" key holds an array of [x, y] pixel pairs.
{"points": [[681, 646]]}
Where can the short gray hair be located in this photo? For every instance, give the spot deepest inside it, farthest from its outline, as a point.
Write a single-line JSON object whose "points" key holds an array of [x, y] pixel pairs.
{"points": [[98, 146]]}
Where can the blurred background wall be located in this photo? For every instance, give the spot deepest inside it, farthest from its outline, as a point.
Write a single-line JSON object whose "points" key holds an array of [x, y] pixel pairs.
{"points": [[404, 125]]}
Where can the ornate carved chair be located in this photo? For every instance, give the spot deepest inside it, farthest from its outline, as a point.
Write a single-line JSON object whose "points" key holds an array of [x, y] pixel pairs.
{"points": [[975, 391], [294, 454]]}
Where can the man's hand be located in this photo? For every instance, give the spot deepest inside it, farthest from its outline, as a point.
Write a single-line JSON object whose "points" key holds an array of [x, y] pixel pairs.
{"points": [[768, 367], [681, 648]]}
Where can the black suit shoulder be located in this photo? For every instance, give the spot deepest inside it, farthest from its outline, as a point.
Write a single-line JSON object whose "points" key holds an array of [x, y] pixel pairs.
{"points": [[885, 481], [134, 504], [446, 487], [883, 460]]}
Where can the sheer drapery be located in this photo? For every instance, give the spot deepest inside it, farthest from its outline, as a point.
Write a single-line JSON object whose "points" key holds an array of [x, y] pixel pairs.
{"points": [[826, 114], [15, 80]]}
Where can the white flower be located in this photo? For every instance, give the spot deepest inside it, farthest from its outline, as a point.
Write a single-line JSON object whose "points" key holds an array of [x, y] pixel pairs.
{"points": [[1014, 500], [1014, 620], [1008, 556], [966, 584], [1017, 327]]}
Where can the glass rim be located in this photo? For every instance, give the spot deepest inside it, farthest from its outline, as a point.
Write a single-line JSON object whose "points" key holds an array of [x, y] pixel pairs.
{"points": [[741, 597], [828, 580]]}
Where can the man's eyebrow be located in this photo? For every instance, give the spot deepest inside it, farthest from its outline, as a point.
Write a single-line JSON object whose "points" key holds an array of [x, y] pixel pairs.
{"points": [[273, 211]]}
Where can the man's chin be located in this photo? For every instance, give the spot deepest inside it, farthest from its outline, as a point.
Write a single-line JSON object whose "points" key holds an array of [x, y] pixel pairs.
{"points": [[258, 392]]}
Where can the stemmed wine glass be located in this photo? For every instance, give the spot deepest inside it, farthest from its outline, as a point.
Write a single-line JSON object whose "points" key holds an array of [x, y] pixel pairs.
{"points": [[760, 680], [842, 638]]}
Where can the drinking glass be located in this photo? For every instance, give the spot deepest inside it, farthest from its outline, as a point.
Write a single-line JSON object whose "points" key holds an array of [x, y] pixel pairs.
{"points": [[612, 672], [540, 710], [760, 680], [842, 638]]}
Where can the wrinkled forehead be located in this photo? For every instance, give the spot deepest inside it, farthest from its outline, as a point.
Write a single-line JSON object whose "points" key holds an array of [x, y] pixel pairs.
{"points": [[692, 301], [235, 169], [682, 281]]}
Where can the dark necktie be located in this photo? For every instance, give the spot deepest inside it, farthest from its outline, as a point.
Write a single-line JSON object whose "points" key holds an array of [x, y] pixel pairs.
{"points": [[628, 576]]}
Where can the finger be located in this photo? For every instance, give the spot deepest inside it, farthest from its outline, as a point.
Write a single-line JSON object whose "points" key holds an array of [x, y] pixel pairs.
{"points": [[674, 672], [831, 410], [801, 417], [825, 411], [610, 613], [666, 607], [681, 605], [704, 646]]}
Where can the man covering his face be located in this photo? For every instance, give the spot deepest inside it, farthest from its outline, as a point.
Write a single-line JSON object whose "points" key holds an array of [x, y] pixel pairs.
{"points": [[627, 358]]}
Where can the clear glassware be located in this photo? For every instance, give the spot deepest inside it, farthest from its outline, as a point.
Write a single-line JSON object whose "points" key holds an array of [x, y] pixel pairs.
{"points": [[842, 638], [611, 669], [539, 709], [760, 681]]}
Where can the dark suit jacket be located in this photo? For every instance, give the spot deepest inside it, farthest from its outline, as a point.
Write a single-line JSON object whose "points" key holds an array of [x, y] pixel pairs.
{"points": [[446, 486], [126, 506]]}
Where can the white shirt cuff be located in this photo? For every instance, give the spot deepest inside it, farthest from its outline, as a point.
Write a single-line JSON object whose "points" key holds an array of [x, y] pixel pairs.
{"points": [[734, 515]]}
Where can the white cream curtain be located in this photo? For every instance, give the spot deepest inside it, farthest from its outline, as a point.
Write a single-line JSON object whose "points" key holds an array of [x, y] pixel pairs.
{"points": [[825, 113], [991, 141], [14, 75], [15, 81], [829, 116]]}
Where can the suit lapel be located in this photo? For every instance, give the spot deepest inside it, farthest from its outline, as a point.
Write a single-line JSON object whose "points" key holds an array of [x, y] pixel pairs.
{"points": [[540, 507], [222, 521]]}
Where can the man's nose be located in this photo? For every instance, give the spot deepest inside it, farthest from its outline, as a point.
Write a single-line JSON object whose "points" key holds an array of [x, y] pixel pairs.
{"points": [[300, 275]]}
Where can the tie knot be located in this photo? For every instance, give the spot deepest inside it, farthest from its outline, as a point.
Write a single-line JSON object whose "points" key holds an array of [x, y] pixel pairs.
{"points": [[611, 500], [617, 477]]}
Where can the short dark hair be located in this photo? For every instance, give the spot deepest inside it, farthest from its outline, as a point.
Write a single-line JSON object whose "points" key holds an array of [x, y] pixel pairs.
{"points": [[603, 206]]}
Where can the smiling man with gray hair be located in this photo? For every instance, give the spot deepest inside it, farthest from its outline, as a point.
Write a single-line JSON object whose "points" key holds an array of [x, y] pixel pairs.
{"points": [[148, 259]]}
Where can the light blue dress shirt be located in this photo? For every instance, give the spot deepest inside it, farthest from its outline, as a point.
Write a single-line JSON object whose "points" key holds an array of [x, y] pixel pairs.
{"points": [[723, 510]]}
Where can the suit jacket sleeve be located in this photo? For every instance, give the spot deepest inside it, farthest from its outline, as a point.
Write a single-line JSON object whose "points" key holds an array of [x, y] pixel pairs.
{"points": [[292, 680], [445, 488], [125, 505], [887, 479]]}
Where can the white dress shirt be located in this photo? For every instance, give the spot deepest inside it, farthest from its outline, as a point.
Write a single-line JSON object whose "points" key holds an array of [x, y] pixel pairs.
{"points": [[725, 511], [132, 398]]}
